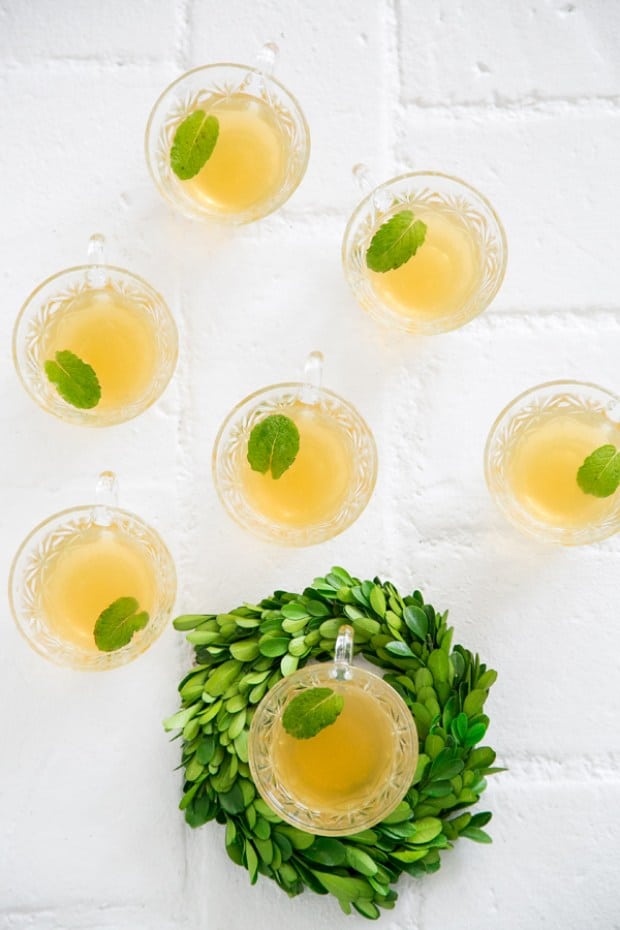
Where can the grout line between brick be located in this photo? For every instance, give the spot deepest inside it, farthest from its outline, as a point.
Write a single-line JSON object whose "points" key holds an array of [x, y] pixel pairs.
{"points": [[582, 769], [183, 28], [393, 79], [517, 107]]}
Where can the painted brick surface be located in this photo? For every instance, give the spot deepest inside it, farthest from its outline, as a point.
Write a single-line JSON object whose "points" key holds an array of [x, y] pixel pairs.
{"points": [[499, 52], [521, 100]]}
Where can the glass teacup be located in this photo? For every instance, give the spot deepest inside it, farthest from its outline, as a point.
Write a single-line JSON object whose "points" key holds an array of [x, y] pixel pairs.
{"points": [[78, 564], [352, 773], [456, 271], [331, 480], [114, 323], [261, 150], [534, 451]]}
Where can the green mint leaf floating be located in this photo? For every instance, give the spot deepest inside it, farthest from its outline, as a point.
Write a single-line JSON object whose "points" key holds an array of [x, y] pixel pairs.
{"points": [[75, 380], [600, 473], [273, 444], [311, 711], [395, 242], [193, 144], [117, 624]]}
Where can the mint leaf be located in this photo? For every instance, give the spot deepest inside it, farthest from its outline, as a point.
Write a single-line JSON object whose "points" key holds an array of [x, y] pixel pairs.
{"points": [[600, 473], [311, 711], [273, 444], [193, 144], [75, 380], [116, 624], [395, 242]]}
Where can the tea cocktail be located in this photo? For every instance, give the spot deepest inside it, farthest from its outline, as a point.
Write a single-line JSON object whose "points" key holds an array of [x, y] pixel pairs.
{"points": [[92, 587], [294, 462], [355, 768], [424, 252], [227, 142], [95, 345], [535, 454]]}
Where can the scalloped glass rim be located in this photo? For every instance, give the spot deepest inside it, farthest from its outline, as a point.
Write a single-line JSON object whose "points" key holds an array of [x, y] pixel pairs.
{"points": [[235, 503], [172, 193], [70, 655], [366, 295], [32, 375], [286, 805], [504, 500]]}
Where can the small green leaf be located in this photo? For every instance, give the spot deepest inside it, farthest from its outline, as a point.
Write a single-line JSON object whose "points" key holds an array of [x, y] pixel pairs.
{"points": [[343, 887], [232, 801], [367, 908], [600, 473], [377, 601], [474, 734], [246, 650], [426, 830], [273, 646], [288, 665], [438, 665], [188, 621], [416, 620], [116, 624], [481, 758], [474, 702], [251, 861], [399, 649], [193, 144], [75, 380], [327, 851], [222, 677], [273, 444], [476, 834], [487, 679], [395, 242], [400, 813], [311, 711], [205, 749]]}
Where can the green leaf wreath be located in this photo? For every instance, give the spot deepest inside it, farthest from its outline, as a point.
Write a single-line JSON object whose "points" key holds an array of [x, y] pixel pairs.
{"points": [[241, 654]]}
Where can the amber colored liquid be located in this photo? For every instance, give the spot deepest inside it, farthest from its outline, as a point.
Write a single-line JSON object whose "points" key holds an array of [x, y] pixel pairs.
{"points": [[343, 766], [86, 575], [439, 278], [316, 485], [543, 466], [115, 336], [249, 159]]}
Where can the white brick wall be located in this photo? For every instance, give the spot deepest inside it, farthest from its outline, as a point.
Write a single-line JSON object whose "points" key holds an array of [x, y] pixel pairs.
{"points": [[520, 99]]}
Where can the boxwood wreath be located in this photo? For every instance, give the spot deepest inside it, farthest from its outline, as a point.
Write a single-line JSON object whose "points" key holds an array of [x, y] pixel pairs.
{"points": [[241, 654]]}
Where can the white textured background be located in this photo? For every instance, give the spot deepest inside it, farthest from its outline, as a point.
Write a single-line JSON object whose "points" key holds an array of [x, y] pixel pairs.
{"points": [[522, 99]]}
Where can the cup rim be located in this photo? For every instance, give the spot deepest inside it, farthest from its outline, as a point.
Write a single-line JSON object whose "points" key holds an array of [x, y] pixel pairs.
{"points": [[292, 535], [384, 314], [525, 521], [30, 304], [241, 218], [114, 659]]}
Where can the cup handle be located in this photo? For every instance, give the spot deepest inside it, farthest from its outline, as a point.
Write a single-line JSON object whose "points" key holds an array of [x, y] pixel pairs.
{"points": [[343, 655], [106, 496], [312, 378], [95, 273]]}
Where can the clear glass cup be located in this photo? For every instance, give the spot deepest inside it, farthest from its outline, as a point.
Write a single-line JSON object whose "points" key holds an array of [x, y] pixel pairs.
{"points": [[351, 774], [77, 563], [456, 272], [330, 482], [533, 452], [262, 150], [112, 320]]}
